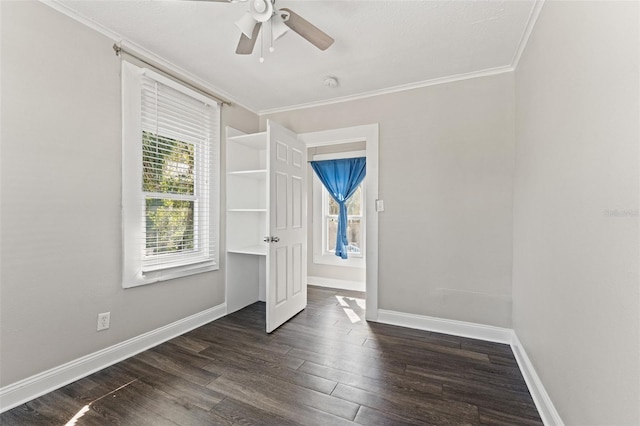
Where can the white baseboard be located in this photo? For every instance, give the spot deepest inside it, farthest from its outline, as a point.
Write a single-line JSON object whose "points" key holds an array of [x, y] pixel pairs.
{"points": [[546, 409], [32, 387], [339, 284], [446, 326]]}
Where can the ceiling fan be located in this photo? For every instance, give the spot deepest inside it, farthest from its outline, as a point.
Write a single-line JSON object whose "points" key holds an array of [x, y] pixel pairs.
{"points": [[262, 14]]}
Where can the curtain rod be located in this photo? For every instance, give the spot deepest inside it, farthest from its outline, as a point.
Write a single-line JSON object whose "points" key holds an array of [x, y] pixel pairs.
{"points": [[119, 51]]}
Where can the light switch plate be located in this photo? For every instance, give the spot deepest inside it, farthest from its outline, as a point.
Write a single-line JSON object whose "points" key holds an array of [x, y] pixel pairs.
{"points": [[379, 205]]}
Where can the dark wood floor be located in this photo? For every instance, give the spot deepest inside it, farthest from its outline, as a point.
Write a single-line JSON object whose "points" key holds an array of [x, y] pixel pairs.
{"points": [[320, 368]]}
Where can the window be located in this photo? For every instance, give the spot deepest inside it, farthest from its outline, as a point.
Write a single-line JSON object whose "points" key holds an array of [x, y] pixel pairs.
{"points": [[325, 220], [354, 223], [170, 178]]}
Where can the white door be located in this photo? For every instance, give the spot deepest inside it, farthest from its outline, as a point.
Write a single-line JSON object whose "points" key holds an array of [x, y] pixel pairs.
{"points": [[287, 255]]}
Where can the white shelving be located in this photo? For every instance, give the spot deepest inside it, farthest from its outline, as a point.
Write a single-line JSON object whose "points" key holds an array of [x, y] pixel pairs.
{"points": [[255, 141], [260, 174], [254, 250], [246, 218]]}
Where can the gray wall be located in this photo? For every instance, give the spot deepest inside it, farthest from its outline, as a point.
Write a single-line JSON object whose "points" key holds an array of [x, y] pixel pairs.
{"points": [[446, 165], [576, 281], [61, 178]]}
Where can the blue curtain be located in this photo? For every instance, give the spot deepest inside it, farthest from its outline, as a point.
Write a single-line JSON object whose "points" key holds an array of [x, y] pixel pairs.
{"points": [[341, 178]]}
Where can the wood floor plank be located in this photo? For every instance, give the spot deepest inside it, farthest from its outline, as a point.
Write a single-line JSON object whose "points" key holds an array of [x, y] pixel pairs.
{"points": [[169, 407], [432, 410], [498, 418], [170, 364], [287, 361], [184, 390], [240, 413], [456, 374], [284, 391], [295, 410], [370, 416], [326, 366], [127, 411], [385, 382], [223, 359], [362, 364], [414, 347], [517, 403]]}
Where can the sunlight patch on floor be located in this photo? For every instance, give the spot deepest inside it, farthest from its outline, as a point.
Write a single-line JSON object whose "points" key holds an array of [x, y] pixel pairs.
{"points": [[87, 407], [79, 414], [347, 303]]}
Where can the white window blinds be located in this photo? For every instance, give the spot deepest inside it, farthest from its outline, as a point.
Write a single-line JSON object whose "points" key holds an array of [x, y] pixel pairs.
{"points": [[170, 183]]}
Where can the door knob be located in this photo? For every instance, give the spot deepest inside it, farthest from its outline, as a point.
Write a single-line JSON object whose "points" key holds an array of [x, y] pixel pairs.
{"points": [[271, 239], [275, 239]]}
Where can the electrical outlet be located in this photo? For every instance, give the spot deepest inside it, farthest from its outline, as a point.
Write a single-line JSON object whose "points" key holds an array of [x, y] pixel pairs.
{"points": [[103, 320]]}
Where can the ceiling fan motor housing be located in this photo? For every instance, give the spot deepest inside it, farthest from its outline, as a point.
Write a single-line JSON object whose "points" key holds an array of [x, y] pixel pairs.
{"points": [[261, 10]]}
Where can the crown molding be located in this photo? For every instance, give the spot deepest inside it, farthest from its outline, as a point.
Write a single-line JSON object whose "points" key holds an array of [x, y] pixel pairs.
{"points": [[143, 53], [393, 89], [524, 40], [182, 73]]}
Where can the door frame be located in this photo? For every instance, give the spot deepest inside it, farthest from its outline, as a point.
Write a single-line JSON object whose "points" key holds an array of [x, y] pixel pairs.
{"points": [[369, 134]]}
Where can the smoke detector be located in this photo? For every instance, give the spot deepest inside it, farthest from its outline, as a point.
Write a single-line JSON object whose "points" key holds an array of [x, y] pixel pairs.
{"points": [[331, 81]]}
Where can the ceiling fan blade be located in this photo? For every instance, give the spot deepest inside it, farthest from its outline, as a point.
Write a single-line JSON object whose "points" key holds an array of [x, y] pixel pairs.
{"points": [[245, 45], [307, 30]]}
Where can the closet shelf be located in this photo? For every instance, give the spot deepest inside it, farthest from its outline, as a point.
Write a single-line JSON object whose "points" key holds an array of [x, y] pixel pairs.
{"points": [[259, 174], [248, 210], [253, 140], [260, 250]]}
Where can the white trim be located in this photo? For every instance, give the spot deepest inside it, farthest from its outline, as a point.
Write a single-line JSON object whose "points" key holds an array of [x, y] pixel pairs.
{"points": [[370, 134], [340, 155], [186, 75], [471, 330], [206, 99], [136, 269], [391, 90], [32, 387], [142, 52], [182, 73], [524, 40], [546, 409], [334, 283]]}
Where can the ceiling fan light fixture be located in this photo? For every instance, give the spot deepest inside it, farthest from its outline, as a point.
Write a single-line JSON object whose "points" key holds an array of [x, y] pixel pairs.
{"points": [[246, 23], [278, 27], [261, 10]]}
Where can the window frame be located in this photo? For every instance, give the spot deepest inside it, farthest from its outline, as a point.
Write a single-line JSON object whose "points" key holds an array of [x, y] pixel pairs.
{"points": [[138, 268], [320, 215]]}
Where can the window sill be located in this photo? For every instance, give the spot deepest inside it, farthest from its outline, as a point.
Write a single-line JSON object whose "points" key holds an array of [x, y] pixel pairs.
{"points": [[151, 277], [333, 260]]}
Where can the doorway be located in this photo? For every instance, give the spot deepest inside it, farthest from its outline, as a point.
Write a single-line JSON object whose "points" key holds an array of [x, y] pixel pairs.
{"points": [[366, 139]]}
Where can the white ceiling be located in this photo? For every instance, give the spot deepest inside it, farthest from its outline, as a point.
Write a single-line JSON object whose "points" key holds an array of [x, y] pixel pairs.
{"points": [[379, 45]]}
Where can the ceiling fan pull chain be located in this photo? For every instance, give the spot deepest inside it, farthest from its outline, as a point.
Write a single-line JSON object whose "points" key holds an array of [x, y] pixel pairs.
{"points": [[271, 48], [262, 46]]}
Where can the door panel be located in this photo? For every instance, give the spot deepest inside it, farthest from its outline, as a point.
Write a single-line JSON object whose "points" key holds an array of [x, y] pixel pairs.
{"points": [[281, 275], [296, 251], [281, 205], [297, 199], [287, 254]]}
